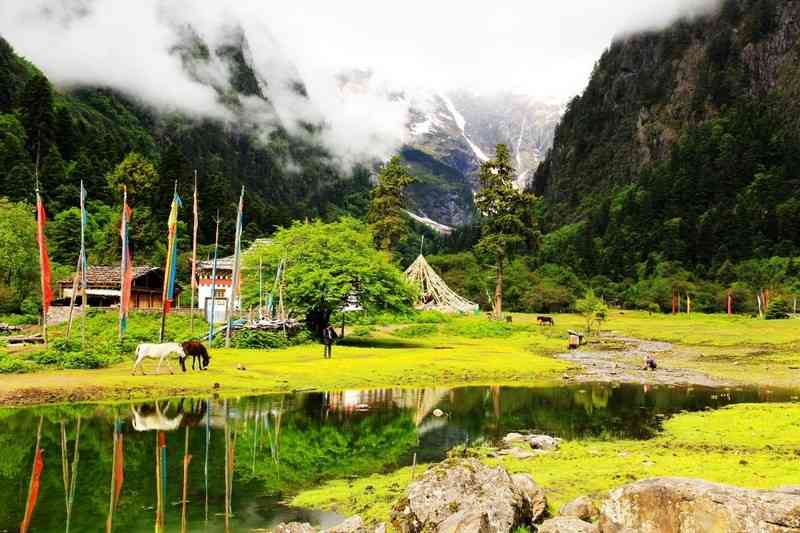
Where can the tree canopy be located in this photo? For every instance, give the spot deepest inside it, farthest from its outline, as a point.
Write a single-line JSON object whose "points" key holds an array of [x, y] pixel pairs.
{"points": [[325, 264], [387, 202]]}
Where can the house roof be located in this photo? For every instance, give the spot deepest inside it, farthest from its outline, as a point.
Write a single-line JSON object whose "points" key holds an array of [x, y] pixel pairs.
{"points": [[226, 263], [102, 275]]}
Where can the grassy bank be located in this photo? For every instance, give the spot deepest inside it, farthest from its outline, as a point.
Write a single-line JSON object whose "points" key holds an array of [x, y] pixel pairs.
{"points": [[467, 350], [746, 445]]}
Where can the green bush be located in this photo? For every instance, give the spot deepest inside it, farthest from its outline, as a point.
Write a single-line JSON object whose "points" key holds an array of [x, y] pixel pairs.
{"points": [[418, 330], [362, 331], [67, 354], [12, 365], [84, 360], [19, 320], [388, 319], [266, 340], [778, 310]]}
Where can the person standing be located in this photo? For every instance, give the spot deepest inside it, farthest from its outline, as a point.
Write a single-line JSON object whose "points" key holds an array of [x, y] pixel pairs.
{"points": [[328, 338]]}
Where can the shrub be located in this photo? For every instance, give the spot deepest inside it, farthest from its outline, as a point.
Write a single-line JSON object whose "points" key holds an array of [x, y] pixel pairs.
{"points": [[12, 365], [418, 330], [778, 310], [84, 360], [265, 340], [19, 320], [362, 331]]}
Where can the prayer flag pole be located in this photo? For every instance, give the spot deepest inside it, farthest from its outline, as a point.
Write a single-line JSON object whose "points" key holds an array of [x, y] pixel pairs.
{"points": [[44, 261], [168, 292], [125, 268], [84, 265], [194, 252], [213, 284], [236, 259]]}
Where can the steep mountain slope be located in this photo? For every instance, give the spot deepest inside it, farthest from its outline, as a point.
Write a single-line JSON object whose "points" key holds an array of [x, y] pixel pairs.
{"points": [[451, 134], [684, 146], [85, 132]]}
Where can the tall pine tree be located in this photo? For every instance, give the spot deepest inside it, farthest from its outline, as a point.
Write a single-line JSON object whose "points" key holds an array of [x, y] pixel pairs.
{"points": [[386, 217], [507, 217]]}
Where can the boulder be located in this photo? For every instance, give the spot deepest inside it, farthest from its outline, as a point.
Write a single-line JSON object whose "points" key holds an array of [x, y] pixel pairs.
{"points": [[544, 442], [677, 505], [789, 489], [465, 495], [566, 524], [582, 508], [294, 527], [354, 524]]}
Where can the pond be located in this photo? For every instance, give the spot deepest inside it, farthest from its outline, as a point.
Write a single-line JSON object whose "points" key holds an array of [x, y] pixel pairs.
{"points": [[180, 464]]}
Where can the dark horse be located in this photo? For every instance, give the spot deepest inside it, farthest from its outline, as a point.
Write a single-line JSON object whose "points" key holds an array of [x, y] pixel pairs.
{"points": [[197, 351]]}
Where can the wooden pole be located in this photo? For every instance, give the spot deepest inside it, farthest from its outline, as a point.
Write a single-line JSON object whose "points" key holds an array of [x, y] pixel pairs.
{"points": [[213, 285], [84, 273], [72, 297], [194, 253], [235, 278], [184, 495]]}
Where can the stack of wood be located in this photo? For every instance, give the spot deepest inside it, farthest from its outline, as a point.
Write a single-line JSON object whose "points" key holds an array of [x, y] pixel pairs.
{"points": [[290, 325], [7, 329]]}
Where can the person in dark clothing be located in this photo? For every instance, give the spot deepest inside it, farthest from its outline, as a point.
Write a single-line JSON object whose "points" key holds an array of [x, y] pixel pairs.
{"points": [[328, 337]]}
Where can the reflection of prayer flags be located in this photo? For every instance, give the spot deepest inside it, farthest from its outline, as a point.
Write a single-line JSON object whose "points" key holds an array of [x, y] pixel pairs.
{"points": [[33, 494], [119, 474], [126, 267], [44, 260], [172, 254]]}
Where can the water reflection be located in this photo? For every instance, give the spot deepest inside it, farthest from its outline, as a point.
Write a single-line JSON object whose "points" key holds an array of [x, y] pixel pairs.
{"points": [[225, 465]]}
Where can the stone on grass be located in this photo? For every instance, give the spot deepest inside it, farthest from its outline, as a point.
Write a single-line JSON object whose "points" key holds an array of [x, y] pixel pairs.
{"points": [[354, 524], [544, 442], [582, 508], [566, 524], [678, 505], [467, 496]]}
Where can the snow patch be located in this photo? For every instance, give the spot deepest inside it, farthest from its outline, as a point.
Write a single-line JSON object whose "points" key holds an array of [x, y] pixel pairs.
{"points": [[461, 123], [435, 226]]}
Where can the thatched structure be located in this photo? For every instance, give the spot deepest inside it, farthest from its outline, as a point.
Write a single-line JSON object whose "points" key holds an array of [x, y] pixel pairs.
{"points": [[435, 294]]}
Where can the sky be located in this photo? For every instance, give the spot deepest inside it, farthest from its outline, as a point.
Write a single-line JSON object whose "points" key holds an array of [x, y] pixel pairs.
{"points": [[545, 49]]}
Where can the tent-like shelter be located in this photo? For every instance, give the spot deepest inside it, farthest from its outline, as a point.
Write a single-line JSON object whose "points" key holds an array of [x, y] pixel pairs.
{"points": [[435, 294]]}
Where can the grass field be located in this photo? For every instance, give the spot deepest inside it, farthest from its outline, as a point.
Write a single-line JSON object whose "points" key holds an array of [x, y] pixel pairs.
{"points": [[746, 445], [464, 350]]}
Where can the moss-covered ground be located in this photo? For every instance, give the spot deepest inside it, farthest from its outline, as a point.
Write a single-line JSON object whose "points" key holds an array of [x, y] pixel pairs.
{"points": [[755, 446]]}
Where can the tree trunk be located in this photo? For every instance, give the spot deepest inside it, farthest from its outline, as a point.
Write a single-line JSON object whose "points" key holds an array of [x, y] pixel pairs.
{"points": [[498, 289]]}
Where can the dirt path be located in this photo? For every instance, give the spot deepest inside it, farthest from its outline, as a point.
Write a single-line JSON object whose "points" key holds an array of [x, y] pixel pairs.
{"points": [[625, 365]]}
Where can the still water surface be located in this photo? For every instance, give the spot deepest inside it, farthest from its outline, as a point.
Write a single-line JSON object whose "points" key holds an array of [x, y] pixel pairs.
{"points": [[135, 462]]}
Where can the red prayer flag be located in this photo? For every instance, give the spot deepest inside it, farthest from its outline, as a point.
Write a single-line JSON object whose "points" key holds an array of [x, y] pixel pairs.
{"points": [[38, 466], [44, 261]]}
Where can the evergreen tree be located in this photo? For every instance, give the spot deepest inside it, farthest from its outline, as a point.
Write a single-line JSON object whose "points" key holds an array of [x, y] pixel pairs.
{"points": [[388, 200], [139, 175], [507, 216], [38, 118]]}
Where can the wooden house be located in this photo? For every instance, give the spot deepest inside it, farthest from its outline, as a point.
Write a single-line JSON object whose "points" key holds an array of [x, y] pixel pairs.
{"points": [[104, 287]]}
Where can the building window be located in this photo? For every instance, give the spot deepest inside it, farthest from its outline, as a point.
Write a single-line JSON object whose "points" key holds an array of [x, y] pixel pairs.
{"points": [[219, 293]]}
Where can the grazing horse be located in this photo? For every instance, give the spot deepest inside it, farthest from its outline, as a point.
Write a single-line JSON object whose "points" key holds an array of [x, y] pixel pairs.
{"points": [[545, 320], [197, 351], [157, 351], [155, 421]]}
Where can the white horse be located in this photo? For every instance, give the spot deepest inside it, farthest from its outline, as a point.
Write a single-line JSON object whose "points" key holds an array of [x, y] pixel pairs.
{"points": [[157, 351], [157, 421]]}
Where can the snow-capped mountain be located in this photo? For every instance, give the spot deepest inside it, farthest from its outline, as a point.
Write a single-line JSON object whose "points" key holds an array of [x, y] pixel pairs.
{"points": [[450, 134]]}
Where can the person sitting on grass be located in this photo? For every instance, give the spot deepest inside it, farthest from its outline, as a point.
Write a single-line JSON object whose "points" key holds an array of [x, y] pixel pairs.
{"points": [[650, 362], [328, 337]]}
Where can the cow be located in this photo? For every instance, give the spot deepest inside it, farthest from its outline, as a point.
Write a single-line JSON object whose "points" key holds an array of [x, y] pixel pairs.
{"points": [[197, 351], [157, 351], [545, 320]]}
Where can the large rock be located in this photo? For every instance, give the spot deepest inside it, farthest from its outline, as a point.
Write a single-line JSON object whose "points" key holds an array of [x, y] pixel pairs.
{"points": [[294, 527], [566, 524], [677, 505], [582, 508], [467, 496], [354, 524]]}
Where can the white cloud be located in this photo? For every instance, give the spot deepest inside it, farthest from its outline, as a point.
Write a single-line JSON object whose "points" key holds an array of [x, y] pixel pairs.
{"points": [[546, 49]]}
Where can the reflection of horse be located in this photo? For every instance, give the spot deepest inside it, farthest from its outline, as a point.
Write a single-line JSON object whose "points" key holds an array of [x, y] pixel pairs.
{"points": [[157, 351], [197, 351], [155, 420]]}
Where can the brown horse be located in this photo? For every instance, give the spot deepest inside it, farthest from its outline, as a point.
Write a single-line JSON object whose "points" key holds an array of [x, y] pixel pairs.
{"points": [[197, 351]]}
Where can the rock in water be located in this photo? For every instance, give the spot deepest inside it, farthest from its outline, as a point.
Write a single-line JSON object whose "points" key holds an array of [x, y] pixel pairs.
{"points": [[566, 524], [467, 496], [582, 508], [677, 505]]}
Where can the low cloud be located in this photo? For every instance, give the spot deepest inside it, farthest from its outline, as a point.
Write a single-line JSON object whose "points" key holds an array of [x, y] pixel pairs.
{"points": [[543, 49]]}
